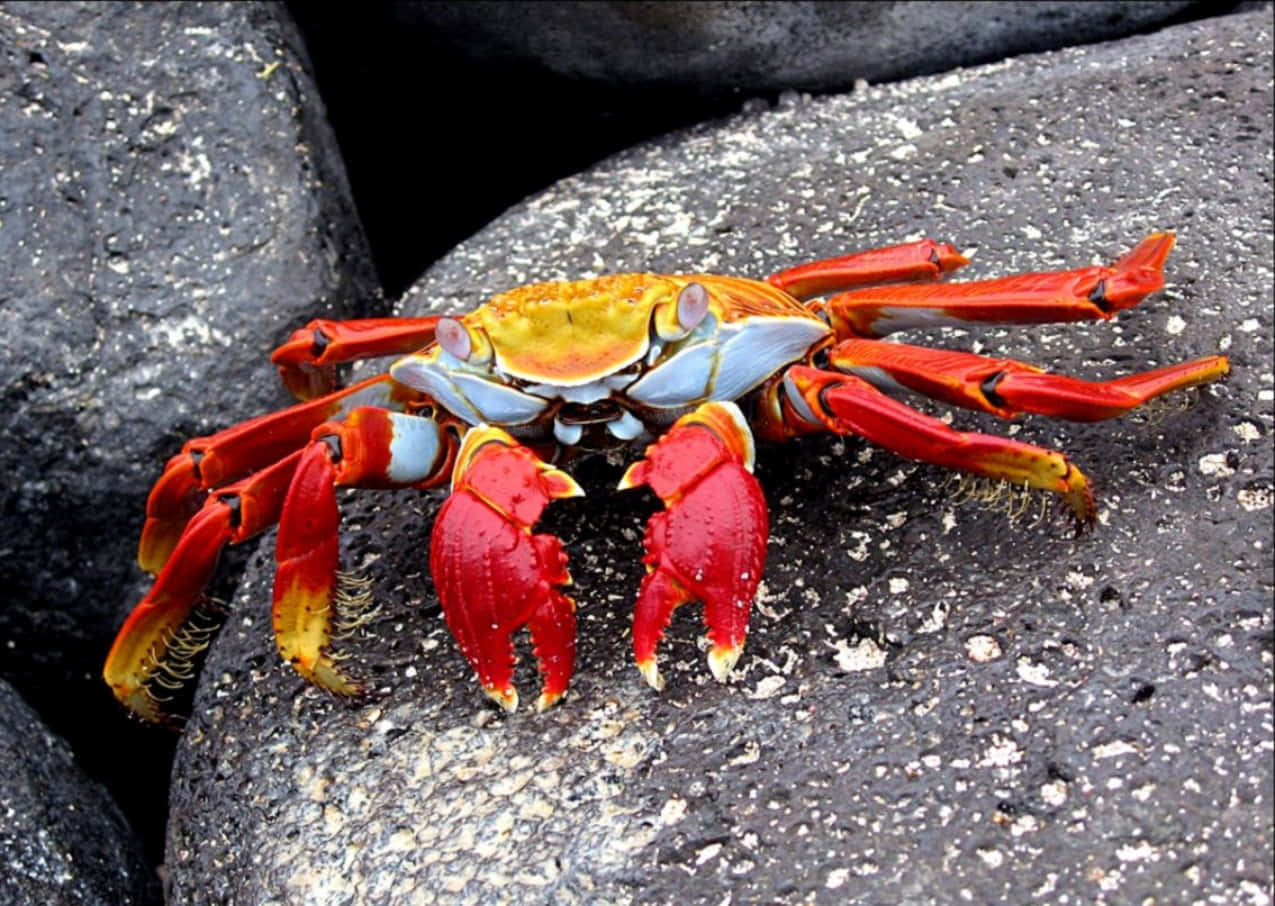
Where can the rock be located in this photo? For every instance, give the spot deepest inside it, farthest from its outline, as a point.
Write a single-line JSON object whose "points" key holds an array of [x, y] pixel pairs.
{"points": [[173, 204], [935, 705], [506, 98], [765, 48], [62, 838]]}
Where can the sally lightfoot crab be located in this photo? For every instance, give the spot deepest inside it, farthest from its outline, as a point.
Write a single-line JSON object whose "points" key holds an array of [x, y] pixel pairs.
{"points": [[693, 366]]}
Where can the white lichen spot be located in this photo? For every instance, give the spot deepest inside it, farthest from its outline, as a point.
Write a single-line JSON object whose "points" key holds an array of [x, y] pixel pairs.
{"points": [[934, 622], [197, 167], [1215, 464], [708, 853], [1175, 325], [1054, 793], [1037, 674], [1142, 851], [1250, 325], [1114, 749], [982, 648], [1001, 753], [863, 656], [837, 878], [1247, 431], [898, 585], [992, 858], [1024, 824], [1254, 498], [908, 128], [673, 811], [402, 840], [1078, 580], [767, 687]]}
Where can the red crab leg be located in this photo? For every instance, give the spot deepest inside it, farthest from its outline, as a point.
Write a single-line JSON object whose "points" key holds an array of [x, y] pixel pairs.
{"points": [[156, 642], [307, 360], [845, 404], [371, 448], [493, 575], [1088, 293], [208, 462], [1008, 388], [921, 260], [709, 544]]}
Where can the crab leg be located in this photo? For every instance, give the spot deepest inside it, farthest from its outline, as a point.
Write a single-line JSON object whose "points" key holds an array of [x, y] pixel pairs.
{"points": [[1008, 388], [158, 640], [1089, 293], [921, 260], [209, 462], [493, 575], [371, 448], [709, 544], [810, 399], [307, 360]]}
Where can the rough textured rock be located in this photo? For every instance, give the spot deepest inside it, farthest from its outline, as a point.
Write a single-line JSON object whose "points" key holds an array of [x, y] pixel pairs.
{"points": [[506, 98], [172, 204], [62, 838], [764, 48], [935, 705]]}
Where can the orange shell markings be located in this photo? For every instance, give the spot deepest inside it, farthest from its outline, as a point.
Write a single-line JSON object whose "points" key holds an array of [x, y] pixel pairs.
{"points": [[572, 333]]}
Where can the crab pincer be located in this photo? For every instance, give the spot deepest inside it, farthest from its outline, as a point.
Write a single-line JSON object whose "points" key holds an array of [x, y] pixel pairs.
{"points": [[493, 575], [709, 544]]}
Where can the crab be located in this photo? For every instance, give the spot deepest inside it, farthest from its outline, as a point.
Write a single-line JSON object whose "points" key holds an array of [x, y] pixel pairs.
{"points": [[691, 367]]}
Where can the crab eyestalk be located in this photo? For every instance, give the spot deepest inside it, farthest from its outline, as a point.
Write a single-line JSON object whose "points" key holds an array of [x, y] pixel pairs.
{"points": [[709, 544]]}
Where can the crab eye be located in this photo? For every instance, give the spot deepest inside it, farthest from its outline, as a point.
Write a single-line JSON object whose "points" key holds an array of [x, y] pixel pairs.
{"points": [[692, 305], [454, 338]]}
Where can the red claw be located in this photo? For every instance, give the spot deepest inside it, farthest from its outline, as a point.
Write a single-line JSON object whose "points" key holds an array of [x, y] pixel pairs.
{"points": [[493, 575], [710, 543]]}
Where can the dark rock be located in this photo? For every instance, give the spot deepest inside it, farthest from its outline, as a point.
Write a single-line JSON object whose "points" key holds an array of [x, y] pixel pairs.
{"points": [[62, 838], [935, 705], [172, 205], [765, 48], [504, 98]]}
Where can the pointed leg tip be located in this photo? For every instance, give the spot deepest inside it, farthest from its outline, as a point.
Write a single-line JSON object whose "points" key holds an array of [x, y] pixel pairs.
{"points": [[634, 476], [547, 700], [507, 697], [651, 673], [325, 674], [721, 661]]}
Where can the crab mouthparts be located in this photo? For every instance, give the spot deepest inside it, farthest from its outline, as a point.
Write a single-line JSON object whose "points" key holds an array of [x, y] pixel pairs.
{"points": [[602, 425]]}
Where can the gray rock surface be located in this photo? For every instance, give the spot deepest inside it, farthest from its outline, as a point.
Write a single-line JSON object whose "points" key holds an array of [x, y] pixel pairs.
{"points": [[172, 205], [63, 841], [763, 48], [935, 705], [507, 98]]}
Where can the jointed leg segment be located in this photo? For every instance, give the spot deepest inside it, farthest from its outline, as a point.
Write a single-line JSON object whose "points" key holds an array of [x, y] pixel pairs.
{"points": [[1008, 388]]}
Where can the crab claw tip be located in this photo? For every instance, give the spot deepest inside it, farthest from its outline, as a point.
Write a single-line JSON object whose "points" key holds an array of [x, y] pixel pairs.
{"points": [[507, 697], [721, 661], [634, 476], [651, 673], [547, 700]]}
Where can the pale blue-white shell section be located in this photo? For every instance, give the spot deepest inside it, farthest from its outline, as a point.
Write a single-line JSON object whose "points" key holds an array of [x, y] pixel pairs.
{"points": [[414, 448], [729, 362], [473, 397]]}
